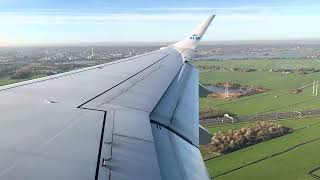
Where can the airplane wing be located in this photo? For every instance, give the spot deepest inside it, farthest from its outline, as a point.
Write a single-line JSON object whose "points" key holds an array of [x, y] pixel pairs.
{"points": [[135, 118]]}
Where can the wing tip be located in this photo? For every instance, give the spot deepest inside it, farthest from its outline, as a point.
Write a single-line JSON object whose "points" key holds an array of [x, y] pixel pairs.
{"points": [[191, 42]]}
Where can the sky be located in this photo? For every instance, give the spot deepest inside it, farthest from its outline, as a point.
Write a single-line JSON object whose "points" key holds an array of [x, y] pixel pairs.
{"points": [[98, 21]]}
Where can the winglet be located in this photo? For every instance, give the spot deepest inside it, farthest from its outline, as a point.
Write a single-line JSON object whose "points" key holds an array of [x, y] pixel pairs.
{"points": [[192, 41]]}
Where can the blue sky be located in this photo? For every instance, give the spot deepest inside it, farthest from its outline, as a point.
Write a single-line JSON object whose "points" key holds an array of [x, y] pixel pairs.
{"points": [[79, 21]]}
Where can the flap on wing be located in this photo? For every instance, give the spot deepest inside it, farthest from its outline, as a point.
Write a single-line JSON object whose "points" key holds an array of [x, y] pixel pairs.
{"points": [[204, 136], [178, 108], [203, 91], [177, 158]]}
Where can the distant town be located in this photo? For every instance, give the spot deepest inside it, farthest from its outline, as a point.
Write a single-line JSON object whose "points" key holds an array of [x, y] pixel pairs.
{"points": [[28, 62], [25, 62]]}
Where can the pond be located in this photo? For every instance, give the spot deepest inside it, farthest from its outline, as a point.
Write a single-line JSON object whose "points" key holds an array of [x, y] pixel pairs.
{"points": [[221, 89]]}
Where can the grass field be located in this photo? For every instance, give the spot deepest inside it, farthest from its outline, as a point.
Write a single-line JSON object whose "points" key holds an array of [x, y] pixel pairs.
{"points": [[5, 81], [270, 80], [293, 164], [261, 64], [270, 159], [277, 98], [264, 103]]}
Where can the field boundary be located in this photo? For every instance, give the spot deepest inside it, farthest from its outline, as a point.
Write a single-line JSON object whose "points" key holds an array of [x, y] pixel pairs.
{"points": [[311, 173], [272, 120], [246, 122], [262, 117], [267, 157]]}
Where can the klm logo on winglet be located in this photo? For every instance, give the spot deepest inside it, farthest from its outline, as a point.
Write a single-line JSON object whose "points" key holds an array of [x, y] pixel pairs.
{"points": [[192, 42], [195, 37]]}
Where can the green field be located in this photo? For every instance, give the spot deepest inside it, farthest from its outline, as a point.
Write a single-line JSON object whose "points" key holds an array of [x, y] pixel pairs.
{"points": [[277, 98], [293, 164], [261, 64], [264, 103], [275, 162], [5, 81]]}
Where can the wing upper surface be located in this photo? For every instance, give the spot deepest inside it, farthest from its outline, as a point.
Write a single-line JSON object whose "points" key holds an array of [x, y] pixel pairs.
{"points": [[58, 126], [112, 121]]}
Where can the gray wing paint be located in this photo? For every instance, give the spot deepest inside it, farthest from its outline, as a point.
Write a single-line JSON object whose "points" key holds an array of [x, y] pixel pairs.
{"points": [[135, 118]]}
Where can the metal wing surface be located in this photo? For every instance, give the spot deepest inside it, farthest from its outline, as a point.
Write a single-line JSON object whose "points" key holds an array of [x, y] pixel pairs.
{"points": [[135, 118]]}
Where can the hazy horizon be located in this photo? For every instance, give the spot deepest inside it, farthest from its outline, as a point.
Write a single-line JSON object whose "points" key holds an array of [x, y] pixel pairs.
{"points": [[57, 22], [141, 43]]}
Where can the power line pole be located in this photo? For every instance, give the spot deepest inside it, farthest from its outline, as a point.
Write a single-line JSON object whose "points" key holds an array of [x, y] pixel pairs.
{"points": [[313, 87], [226, 91], [317, 88]]}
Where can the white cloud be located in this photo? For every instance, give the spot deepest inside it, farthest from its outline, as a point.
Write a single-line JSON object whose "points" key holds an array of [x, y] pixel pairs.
{"points": [[6, 18], [13, 18], [230, 24], [145, 15]]}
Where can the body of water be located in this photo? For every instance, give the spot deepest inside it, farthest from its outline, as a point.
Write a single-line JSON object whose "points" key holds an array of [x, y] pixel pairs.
{"points": [[221, 89]]}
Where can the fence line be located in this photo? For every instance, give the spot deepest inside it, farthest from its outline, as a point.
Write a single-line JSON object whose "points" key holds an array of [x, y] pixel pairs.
{"points": [[262, 117], [269, 157]]}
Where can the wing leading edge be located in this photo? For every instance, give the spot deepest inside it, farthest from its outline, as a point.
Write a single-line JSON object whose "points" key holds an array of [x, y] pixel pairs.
{"points": [[135, 118]]}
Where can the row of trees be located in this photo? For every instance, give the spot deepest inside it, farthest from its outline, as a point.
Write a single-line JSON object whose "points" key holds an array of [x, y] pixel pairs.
{"points": [[211, 113], [49, 69], [299, 70], [236, 139], [213, 67]]}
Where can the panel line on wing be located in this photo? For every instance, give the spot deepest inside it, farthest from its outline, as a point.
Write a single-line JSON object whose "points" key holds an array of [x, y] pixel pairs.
{"points": [[172, 130], [124, 80], [121, 135], [128, 89], [100, 146]]}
